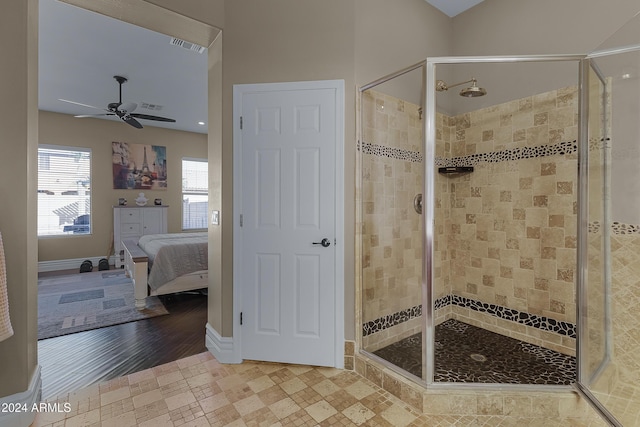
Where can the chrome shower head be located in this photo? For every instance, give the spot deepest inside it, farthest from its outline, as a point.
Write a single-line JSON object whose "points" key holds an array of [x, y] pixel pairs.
{"points": [[473, 91], [470, 92]]}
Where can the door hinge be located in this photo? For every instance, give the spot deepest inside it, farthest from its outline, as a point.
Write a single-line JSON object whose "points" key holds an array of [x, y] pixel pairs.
{"points": [[240, 122], [240, 318], [241, 220]]}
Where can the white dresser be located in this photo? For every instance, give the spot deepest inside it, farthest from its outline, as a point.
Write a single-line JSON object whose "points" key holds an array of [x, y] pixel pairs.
{"points": [[131, 222]]}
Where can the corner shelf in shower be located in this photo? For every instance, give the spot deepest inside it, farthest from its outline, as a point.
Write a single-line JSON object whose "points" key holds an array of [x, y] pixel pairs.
{"points": [[455, 170]]}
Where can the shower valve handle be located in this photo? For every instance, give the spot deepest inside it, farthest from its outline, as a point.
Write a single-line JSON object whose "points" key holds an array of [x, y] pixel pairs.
{"points": [[324, 242]]}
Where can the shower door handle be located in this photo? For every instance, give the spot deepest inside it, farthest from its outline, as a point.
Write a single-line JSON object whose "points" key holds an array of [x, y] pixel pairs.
{"points": [[324, 242]]}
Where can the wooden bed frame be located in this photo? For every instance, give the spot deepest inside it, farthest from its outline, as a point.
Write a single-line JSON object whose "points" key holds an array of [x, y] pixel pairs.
{"points": [[136, 265]]}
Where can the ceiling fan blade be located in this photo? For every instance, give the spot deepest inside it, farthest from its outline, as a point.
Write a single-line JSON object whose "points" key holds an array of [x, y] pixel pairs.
{"points": [[156, 118], [120, 109], [79, 103], [127, 107], [82, 116], [130, 120]]}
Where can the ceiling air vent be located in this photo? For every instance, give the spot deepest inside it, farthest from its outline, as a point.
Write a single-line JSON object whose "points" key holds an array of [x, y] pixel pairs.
{"points": [[187, 45], [152, 107]]}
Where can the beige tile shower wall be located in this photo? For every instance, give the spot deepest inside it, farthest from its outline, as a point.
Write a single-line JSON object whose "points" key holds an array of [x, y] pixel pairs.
{"points": [[596, 328], [391, 229], [619, 387], [512, 232]]}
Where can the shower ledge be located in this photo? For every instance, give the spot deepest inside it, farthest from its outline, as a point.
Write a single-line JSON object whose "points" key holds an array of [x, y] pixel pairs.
{"points": [[455, 170]]}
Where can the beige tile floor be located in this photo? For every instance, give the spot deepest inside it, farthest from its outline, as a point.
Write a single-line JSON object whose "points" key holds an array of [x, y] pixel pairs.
{"points": [[198, 391]]}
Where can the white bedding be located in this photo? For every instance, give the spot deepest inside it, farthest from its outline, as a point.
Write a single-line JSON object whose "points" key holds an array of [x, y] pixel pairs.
{"points": [[174, 255]]}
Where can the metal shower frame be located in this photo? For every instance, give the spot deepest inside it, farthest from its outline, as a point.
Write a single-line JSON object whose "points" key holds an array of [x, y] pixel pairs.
{"points": [[429, 141], [584, 65], [429, 212]]}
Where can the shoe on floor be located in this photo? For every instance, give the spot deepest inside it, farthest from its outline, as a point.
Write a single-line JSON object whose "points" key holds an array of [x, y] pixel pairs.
{"points": [[86, 266], [103, 264]]}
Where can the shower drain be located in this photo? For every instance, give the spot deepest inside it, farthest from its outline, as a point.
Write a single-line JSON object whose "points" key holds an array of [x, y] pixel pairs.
{"points": [[478, 357]]}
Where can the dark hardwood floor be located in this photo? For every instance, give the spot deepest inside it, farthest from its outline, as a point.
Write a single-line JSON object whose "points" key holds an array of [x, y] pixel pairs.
{"points": [[78, 360]]}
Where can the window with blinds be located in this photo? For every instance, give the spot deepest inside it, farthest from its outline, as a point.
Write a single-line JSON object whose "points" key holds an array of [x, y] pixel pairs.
{"points": [[195, 199], [64, 191]]}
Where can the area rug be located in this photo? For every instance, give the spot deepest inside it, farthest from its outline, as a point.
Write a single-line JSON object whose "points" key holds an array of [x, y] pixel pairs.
{"points": [[84, 301]]}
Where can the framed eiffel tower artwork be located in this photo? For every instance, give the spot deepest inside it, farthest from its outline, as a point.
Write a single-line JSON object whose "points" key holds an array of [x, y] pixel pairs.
{"points": [[139, 166]]}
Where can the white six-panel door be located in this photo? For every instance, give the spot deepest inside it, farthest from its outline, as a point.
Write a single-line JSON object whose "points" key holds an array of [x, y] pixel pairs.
{"points": [[288, 230]]}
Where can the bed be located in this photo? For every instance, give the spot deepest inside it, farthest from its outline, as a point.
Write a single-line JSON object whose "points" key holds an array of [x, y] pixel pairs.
{"points": [[161, 264]]}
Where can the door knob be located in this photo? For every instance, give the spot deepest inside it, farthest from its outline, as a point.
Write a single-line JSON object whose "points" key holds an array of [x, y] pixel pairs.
{"points": [[324, 242]]}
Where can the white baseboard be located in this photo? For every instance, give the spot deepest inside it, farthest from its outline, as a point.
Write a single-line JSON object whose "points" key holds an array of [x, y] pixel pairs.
{"points": [[20, 406], [222, 348], [71, 264]]}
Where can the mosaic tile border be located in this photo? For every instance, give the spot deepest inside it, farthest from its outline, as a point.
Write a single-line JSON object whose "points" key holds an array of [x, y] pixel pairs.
{"points": [[527, 319], [533, 320], [599, 144], [385, 322], [616, 228], [621, 228], [518, 153], [390, 152]]}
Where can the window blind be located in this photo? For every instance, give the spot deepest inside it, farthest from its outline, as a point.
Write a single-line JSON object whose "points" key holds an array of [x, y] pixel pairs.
{"points": [[64, 190], [195, 199]]}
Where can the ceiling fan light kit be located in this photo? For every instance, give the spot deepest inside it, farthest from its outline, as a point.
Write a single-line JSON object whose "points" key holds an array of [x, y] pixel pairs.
{"points": [[124, 111]]}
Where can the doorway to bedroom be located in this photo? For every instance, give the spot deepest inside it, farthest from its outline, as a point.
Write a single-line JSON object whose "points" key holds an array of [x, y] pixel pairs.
{"points": [[171, 327]]}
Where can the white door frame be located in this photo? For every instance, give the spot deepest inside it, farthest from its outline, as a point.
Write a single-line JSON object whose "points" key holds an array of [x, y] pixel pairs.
{"points": [[238, 286]]}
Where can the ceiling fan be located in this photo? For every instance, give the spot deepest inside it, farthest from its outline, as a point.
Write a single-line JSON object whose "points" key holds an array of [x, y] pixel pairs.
{"points": [[122, 110]]}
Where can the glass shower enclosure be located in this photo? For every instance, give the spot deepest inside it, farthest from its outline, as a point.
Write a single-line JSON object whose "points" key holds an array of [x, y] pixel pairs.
{"points": [[503, 212], [609, 372], [499, 198]]}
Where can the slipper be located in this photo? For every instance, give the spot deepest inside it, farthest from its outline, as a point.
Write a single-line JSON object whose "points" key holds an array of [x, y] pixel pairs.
{"points": [[103, 264], [86, 266]]}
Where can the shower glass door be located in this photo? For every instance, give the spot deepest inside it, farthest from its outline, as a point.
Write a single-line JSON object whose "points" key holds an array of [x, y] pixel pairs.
{"points": [[501, 221], [610, 373], [594, 250], [391, 173]]}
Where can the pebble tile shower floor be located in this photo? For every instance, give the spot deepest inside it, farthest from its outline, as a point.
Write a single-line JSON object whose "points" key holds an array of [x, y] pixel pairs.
{"points": [[465, 353]]}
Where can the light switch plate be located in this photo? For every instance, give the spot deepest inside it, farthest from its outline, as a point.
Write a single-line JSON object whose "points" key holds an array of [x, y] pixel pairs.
{"points": [[215, 217]]}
